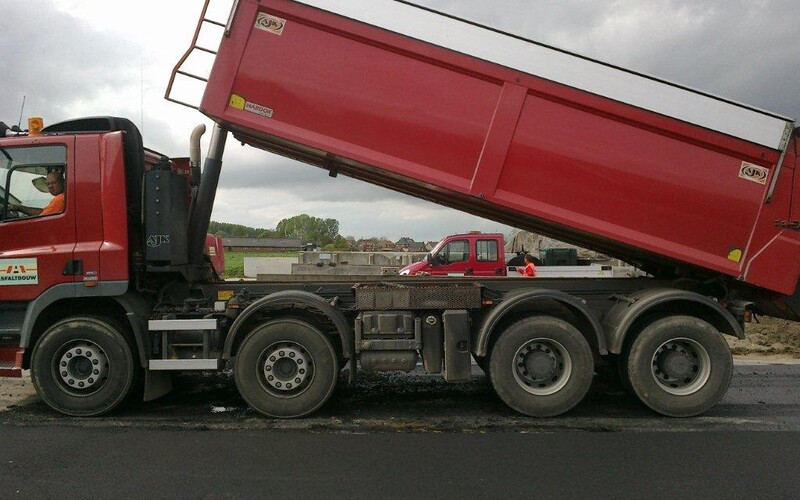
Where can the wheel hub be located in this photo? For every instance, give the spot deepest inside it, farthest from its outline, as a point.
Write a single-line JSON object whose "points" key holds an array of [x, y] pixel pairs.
{"points": [[542, 366], [681, 366], [676, 363], [83, 366], [287, 367]]}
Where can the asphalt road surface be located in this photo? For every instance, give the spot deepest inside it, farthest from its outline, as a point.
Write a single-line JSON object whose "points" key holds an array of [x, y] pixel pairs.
{"points": [[403, 436], [761, 397]]}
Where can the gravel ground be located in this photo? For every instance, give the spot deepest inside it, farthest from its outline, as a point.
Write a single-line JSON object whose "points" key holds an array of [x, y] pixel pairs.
{"points": [[770, 340], [769, 337], [16, 392]]}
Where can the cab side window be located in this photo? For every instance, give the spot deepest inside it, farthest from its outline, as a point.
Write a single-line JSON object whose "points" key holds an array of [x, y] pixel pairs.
{"points": [[456, 251], [486, 250], [32, 182]]}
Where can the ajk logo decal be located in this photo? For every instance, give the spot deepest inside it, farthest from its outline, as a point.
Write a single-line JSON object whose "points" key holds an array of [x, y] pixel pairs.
{"points": [[270, 24], [19, 272], [753, 173]]}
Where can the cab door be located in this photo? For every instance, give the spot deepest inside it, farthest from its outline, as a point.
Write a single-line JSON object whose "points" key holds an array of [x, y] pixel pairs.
{"points": [[36, 251], [452, 259], [487, 258]]}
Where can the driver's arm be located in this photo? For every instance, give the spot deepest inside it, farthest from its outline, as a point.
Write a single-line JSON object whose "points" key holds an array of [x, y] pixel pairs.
{"points": [[25, 210]]}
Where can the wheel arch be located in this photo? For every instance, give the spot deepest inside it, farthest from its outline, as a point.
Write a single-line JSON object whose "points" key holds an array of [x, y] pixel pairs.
{"points": [[539, 301], [295, 301], [127, 309], [634, 312]]}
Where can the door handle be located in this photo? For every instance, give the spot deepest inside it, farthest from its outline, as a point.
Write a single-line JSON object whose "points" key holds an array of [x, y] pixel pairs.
{"points": [[73, 267]]}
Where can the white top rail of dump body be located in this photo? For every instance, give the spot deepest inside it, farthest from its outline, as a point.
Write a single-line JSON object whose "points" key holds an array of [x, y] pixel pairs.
{"points": [[737, 120]]}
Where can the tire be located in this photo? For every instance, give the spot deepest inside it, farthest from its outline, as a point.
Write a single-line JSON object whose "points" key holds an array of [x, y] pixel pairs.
{"points": [[679, 366], [286, 368], [83, 366], [541, 366]]}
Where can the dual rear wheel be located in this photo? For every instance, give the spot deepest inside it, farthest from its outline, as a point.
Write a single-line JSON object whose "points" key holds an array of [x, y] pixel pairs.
{"points": [[678, 366], [541, 366]]}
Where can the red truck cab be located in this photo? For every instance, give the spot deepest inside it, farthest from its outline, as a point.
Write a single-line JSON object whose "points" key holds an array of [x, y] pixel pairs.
{"points": [[471, 254]]}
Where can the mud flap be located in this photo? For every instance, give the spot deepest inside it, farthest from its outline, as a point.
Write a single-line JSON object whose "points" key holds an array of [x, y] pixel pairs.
{"points": [[793, 301], [11, 361], [156, 384]]}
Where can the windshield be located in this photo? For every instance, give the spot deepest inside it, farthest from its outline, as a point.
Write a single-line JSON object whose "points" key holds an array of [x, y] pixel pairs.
{"points": [[437, 248]]}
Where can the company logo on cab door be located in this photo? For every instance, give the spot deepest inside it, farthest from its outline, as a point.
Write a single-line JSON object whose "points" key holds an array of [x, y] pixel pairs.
{"points": [[18, 272]]}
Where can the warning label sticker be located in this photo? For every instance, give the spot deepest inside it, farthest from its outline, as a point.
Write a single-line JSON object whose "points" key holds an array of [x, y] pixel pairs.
{"points": [[239, 102], [18, 272]]}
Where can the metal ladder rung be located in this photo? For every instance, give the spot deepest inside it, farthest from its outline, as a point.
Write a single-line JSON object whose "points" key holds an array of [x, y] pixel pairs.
{"points": [[181, 72], [205, 50], [211, 21], [183, 103]]}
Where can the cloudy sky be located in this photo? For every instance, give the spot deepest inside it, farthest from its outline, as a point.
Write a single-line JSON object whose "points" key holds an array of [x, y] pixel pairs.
{"points": [[73, 58]]}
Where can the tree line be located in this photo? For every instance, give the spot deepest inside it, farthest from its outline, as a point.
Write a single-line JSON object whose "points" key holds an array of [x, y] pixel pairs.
{"points": [[323, 233]]}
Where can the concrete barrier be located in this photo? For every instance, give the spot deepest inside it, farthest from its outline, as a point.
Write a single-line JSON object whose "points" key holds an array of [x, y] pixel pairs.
{"points": [[253, 266], [399, 259]]}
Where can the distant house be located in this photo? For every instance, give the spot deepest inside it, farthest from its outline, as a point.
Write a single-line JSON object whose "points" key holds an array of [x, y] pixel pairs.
{"points": [[365, 245], [262, 244], [386, 246], [407, 244]]}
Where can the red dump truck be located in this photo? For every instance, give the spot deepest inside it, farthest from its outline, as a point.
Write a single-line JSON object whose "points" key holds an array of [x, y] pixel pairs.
{"points": [[114, 293]]}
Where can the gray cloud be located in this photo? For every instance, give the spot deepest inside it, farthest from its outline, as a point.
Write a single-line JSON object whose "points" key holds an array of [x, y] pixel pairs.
{"points": [[55, 61]]}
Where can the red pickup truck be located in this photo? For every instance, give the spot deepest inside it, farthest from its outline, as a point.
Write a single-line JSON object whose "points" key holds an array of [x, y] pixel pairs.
{"points": [[472, 254]]}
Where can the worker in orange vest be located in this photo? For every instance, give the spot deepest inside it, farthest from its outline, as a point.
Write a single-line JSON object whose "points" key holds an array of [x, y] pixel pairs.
{"points": [[55, 185], [529, 271]]}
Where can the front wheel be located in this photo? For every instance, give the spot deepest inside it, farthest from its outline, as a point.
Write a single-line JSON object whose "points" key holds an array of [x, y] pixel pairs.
{"points": [[83, 366], [541, 366], [286, 368], [679, 366]]}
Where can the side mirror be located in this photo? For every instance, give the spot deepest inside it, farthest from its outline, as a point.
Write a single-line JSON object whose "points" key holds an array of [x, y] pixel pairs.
{"points": [[429, 258]]}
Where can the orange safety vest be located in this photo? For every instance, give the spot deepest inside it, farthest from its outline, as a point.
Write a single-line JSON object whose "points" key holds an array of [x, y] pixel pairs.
{"points": [[529, 271], [56, 205]]}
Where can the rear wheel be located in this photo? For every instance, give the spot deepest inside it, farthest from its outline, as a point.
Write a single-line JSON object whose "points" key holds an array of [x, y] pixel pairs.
{"points": [[83, 366], [541, 366], [679, 366], [286, 368]]}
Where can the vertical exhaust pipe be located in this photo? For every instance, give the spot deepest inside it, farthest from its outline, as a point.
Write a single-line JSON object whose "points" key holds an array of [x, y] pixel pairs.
{"points": [[201, 213], [194, 153]]}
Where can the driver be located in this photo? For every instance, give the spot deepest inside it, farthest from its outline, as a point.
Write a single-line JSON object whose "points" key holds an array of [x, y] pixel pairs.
{"points": [[55, 185]]}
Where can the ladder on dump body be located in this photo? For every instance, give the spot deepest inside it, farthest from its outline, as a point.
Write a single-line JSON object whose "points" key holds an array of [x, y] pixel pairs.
{"points": [[176, 71]]}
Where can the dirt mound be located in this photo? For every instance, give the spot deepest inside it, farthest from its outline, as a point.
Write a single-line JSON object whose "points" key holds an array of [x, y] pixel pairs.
{"points": [[770, 336]]}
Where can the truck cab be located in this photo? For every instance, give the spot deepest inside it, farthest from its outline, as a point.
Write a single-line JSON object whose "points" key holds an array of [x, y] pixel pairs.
{"points": [[471, 254]]}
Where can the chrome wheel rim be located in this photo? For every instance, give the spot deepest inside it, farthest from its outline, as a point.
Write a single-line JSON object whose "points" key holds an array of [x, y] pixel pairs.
{"points": [[285, 369], [81, 367]]}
